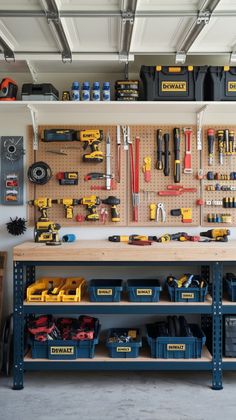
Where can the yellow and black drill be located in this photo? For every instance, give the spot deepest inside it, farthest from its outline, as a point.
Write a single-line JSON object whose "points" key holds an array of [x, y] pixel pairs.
{"points": [[91, 202], [92, 138], [69, 204], [218, 235], [45, 230]]}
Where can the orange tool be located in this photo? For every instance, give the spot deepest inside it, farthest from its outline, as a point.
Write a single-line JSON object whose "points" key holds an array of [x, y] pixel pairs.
{"points": [[188, 155]]}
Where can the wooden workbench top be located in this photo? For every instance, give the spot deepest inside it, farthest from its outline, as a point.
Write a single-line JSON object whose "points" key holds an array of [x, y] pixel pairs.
{"points": [[107, 251]]}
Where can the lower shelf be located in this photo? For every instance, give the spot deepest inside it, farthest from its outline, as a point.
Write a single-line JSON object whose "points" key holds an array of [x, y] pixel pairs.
{"points": [[101, 361]]}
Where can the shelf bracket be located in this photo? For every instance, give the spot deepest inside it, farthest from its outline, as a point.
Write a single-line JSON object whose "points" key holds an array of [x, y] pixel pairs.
{"points": [[32, 70], [34, 118]]}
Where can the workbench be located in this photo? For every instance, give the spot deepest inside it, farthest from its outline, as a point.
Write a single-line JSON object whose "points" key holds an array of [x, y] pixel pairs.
{"points": [[211, 257]]}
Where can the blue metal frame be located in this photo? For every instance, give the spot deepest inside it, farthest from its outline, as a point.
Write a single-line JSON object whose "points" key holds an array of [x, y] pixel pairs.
{"points": [[20, 311], [217, 275]]}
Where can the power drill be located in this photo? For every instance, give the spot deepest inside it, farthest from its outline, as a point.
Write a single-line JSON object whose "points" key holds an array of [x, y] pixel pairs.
{"points": [[217, 234], [91, 204], [68, 204], [113, 202], [91, 138], [43, 204]]}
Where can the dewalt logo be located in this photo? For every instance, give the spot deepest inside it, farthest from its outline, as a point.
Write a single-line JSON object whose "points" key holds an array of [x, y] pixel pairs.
{"points": [[144, 292], [231, 86], [123, 349], [104, 292], [187, 295], [62, 350], [174, 86], [177, 347]]}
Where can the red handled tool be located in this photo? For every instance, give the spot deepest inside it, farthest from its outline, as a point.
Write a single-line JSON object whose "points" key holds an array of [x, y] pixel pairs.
{"points": [[188, 155], [174, 190], [134, 168]]}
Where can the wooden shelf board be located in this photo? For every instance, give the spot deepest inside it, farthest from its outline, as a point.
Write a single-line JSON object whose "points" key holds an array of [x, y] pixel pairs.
{"points": [[164, 301], [102, 250], [101, 356]]}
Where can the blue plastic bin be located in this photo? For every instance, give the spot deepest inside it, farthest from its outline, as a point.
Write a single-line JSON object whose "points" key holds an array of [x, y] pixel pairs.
{"points": [[101, 290], [187, 294], [144, 290], [178, 347], [230, 286], [64, 349], [124, 350]]}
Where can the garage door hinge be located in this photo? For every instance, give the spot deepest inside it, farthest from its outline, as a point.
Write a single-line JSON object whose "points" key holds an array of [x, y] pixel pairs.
{"points": [[203, 17], [127, 16]]}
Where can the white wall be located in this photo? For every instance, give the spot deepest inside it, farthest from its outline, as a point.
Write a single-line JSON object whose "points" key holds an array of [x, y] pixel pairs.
{"points": [[16, 124]]}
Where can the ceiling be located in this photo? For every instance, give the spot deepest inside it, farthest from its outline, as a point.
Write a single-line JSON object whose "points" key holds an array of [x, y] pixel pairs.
{"points": [[37, 35]]}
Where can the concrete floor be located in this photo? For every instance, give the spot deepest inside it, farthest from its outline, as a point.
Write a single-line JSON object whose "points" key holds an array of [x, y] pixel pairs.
{"points": [[118, 395]]}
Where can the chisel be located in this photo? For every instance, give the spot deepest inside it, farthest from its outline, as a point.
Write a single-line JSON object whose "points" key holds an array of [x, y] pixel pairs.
{"points": [[188, 155], [210, 141], [176, 133], [159, 164], [227, 141], [166, 154]]}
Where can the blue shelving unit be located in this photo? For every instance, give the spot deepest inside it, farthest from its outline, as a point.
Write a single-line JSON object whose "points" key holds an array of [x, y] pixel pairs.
{"points": [[24, 274]]}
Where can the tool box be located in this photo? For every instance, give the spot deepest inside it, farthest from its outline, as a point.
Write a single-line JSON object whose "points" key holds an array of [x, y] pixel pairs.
{"points": [[73, 289], [101, 290], [230, 286], [221, 83], [176, 347], [143, 290], [189, 288], [64, 349], [39, 92], [230, 336], [123, 342], [45, 289], [163, 83]]}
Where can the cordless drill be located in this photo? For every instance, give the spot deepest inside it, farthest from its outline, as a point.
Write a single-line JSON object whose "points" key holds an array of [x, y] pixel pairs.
{"points": [[91, 138], [91, 202], [113, 202], [45, 230], [217, 234], [68, 204]]}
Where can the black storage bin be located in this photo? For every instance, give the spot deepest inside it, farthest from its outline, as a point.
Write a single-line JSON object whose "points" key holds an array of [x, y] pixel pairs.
{"points": [[39, 92], [230, 336], [221, 83], [163, 83]]}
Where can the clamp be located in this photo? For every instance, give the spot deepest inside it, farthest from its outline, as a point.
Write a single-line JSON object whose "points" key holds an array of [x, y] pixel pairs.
{"points": [[161, 210]]}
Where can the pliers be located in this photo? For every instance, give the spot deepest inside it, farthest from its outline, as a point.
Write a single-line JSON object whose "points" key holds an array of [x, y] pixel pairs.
{"points": [[161, 212]]}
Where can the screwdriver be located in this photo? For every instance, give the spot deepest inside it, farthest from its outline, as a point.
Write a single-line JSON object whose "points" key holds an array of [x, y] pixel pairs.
{"points": [[166, 153], [176, 133], [159, 164], [231, 142], [210, 140], [220, 135], [227, 141]]}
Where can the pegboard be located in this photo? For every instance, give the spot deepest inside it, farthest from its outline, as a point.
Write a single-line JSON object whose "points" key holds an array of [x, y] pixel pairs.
{"points": [[73, 162], [229, 165], [149, 190]]}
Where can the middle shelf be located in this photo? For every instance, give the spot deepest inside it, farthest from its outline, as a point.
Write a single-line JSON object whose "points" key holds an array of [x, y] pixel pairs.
{"points": [[164, 306]]}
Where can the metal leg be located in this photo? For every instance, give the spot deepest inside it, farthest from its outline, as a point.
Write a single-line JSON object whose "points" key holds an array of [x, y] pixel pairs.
{"points": [[30, 275], [18, 331], [216, 275]]}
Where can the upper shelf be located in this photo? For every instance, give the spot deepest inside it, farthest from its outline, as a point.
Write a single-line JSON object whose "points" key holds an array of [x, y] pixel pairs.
{"points": [[113, 112]]}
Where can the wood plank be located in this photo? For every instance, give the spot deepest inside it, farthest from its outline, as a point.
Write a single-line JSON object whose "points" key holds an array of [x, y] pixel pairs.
{"points": [[101, 355], [164, 301], [88, 250]]}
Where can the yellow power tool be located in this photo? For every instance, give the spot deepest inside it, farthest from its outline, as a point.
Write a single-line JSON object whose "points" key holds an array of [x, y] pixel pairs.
{"points": [[91, 138]]}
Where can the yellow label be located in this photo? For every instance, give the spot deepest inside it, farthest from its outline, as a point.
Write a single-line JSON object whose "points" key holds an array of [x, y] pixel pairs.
{"points": [[62, 350], [176, 347], [231, 86], [174, 69], [104, 292], [174, 86], [187, 295], [123, 349], [143, 292]]}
